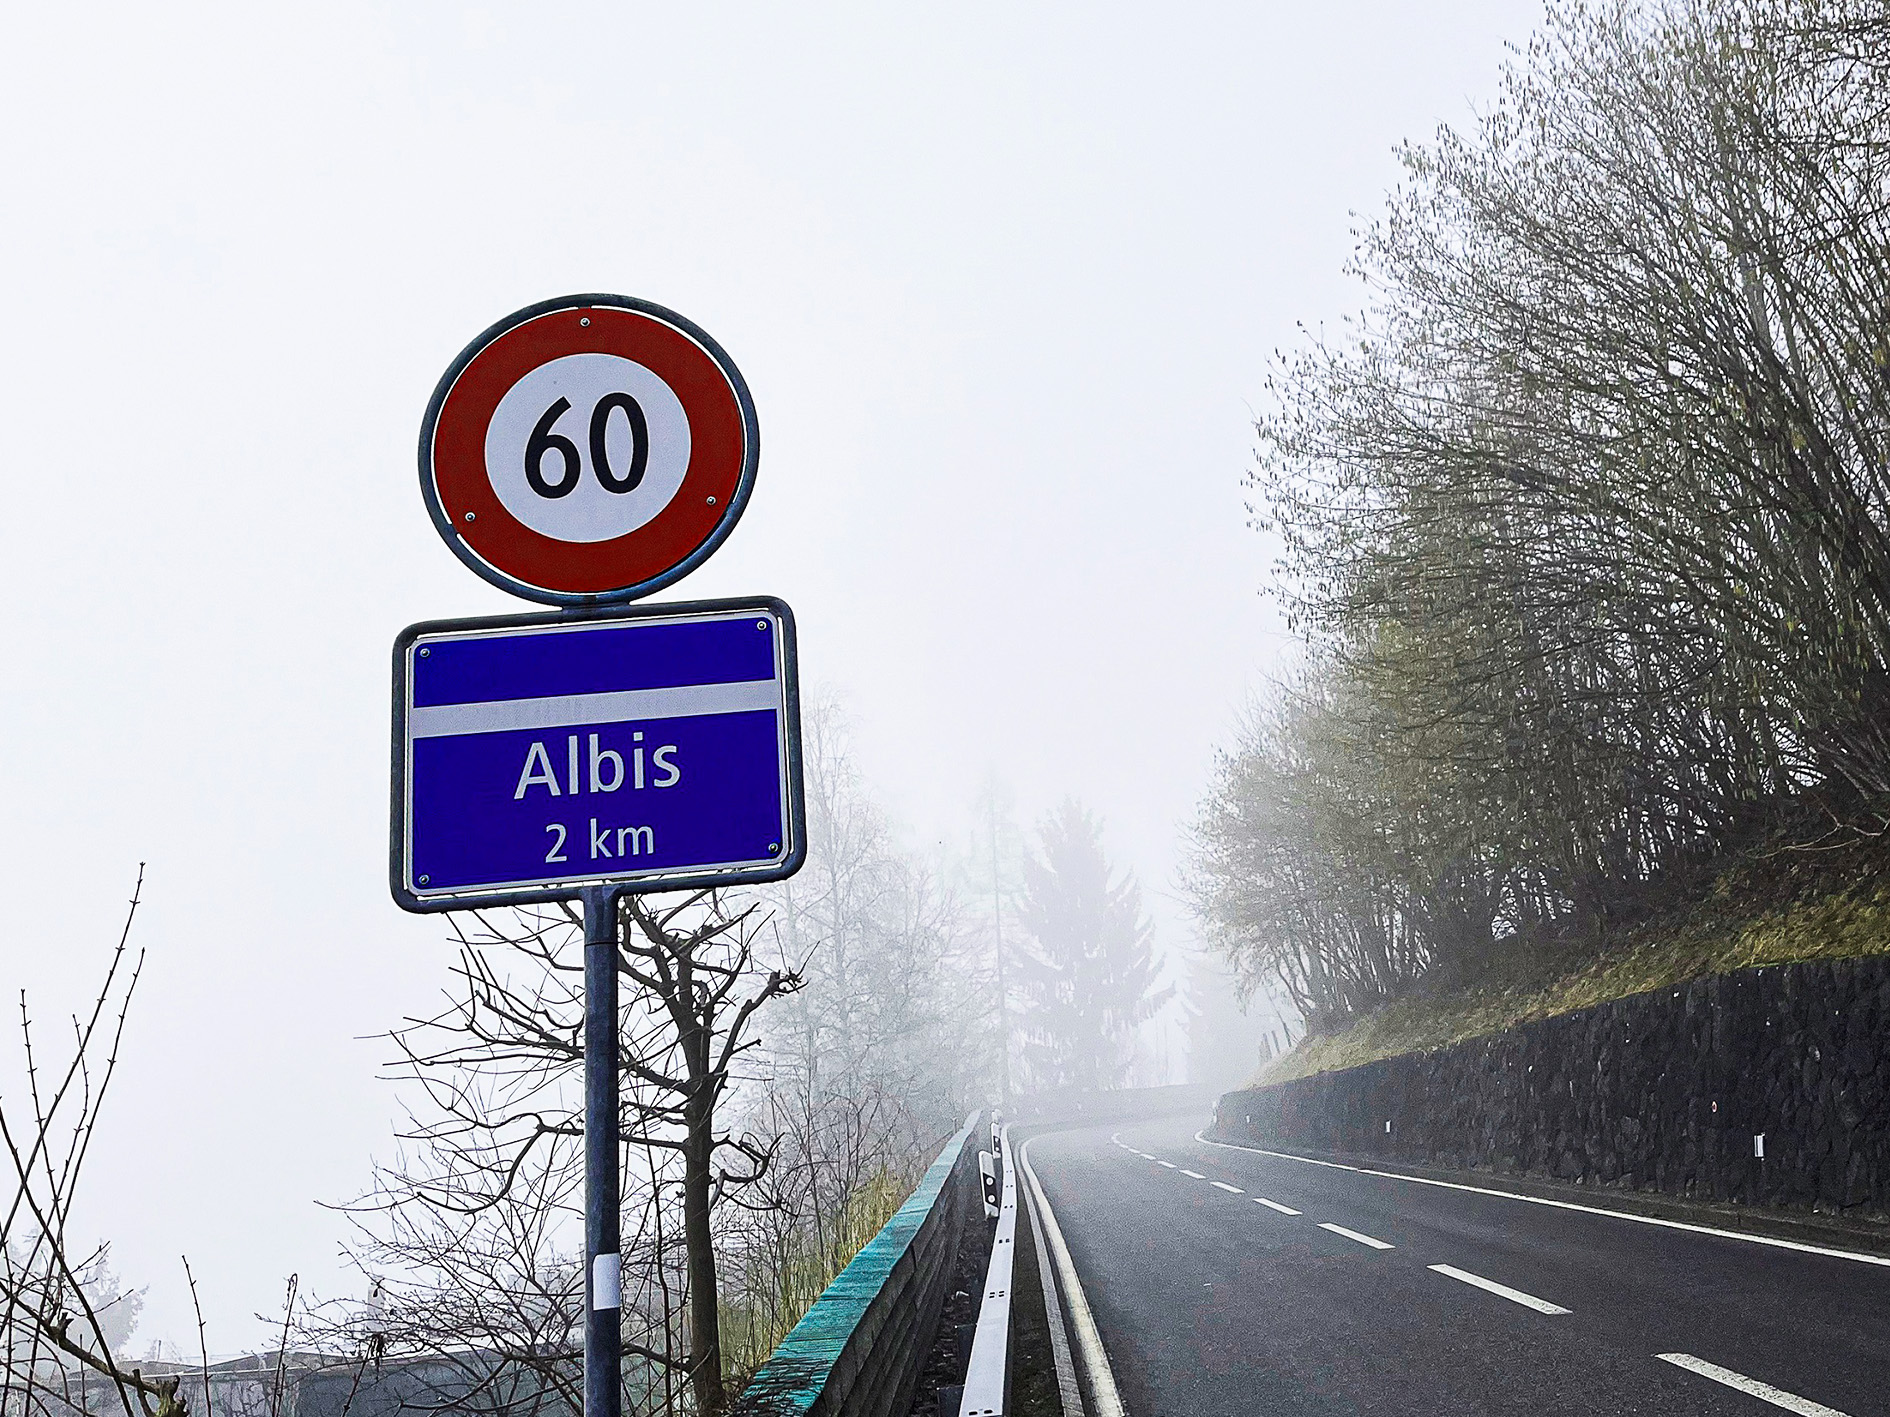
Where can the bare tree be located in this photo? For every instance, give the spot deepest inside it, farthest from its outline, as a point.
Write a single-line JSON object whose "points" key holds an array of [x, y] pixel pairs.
{"points": [[476, 1232], [699, 963], [63, 1313]]}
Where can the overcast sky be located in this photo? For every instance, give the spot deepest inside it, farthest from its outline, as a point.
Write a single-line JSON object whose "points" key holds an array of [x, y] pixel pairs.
{"points": [[1004, 281]]}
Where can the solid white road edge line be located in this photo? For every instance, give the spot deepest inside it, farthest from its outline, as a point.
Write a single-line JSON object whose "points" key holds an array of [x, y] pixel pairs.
{"points": [[1769, 1240], [1196, 1174], [1231, 1190], [1515, 1296], [1102, 1381], [1068, 1390], [1274, 1205], [1765, 1392], [1354, 1235]]}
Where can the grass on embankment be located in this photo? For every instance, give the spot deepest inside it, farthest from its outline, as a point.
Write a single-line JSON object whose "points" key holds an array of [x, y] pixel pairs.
{"points": [[779, 1288], [1723, 932]]}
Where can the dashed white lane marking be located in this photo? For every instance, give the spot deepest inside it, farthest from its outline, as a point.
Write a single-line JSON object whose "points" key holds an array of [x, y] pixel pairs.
{"points": [[1765, 1392], [1274, 1205], [1145, 1155], [1515, 1296], [1169, 1164], [1768, 1240], [1232, 1190], [1196, 1174], [1354, 1235]]}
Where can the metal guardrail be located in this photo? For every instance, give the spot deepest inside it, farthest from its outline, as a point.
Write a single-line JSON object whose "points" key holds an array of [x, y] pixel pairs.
{"points": [[988, 1373]]}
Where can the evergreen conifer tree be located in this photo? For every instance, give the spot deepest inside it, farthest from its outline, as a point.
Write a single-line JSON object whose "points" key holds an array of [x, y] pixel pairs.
{"points": [[1087, 971]]}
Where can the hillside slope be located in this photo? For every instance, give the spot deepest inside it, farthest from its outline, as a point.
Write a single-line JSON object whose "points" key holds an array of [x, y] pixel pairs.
{"points": [[1775, 909]]}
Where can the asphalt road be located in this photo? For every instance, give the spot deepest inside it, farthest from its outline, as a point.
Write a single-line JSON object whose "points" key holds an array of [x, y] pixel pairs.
{"points": [[1211, 1301]]}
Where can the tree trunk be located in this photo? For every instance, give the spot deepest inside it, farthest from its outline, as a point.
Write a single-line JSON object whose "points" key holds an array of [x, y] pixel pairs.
{"points": [[705, 1327]]}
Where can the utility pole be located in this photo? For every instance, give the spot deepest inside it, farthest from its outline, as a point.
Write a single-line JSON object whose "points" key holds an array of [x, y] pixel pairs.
{"points": [[997, 936]]}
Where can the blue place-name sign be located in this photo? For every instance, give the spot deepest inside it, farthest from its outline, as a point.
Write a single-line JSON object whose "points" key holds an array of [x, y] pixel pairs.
{"points": [[537, 755]]}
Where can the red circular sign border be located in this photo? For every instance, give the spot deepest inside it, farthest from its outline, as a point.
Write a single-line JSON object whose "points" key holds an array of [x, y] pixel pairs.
{"points": [[723, 452]]}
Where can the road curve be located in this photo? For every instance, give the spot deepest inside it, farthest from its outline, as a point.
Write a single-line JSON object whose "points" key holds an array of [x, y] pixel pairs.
{"points": [[1229, 1281]]}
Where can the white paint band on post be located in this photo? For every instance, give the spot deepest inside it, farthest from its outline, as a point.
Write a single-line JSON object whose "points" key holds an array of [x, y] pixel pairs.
{"points": [[607, 1281]]}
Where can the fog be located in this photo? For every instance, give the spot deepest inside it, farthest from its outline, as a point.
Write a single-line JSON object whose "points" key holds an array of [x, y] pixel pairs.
{"points": [[1004, 285]]}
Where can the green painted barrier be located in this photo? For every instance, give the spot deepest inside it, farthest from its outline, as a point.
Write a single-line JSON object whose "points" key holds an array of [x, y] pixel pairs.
{"points": [[859, 1349]]}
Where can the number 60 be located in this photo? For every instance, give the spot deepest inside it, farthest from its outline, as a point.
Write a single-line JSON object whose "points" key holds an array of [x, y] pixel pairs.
{"points": [[543, 440]]}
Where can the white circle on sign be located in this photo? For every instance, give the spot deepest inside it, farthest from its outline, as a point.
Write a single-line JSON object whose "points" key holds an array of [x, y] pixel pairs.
{"points": [[541, 459]]}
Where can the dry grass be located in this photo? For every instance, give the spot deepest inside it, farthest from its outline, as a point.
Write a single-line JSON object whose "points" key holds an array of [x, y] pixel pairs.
{"points": [[753, 1327], [1714, 938]]}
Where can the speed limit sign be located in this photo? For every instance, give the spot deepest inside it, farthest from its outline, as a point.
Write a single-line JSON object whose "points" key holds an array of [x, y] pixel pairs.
{"points": [[588, 449]]}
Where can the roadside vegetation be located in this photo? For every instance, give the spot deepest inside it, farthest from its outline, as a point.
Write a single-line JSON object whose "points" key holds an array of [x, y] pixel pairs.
{"points": [[1584, 526], [1749, 919], [775, 1289]]}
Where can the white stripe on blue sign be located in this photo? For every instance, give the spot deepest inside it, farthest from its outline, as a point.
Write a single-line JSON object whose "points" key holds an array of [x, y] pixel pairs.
{"points": [[577, 710]]}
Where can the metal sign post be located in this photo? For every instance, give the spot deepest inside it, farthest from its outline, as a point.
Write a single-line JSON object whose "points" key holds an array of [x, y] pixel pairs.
{"points": [[584, 452], [603, 1290]]}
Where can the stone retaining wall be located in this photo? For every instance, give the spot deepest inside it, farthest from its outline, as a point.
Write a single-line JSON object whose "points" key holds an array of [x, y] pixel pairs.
{"points": [[1662, 1091]]}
